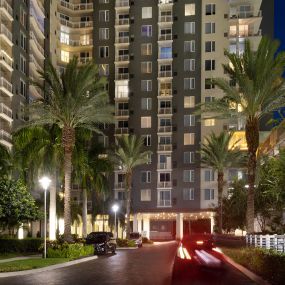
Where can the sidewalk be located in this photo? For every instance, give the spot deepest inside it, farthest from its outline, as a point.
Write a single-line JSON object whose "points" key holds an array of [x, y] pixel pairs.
{"points": [[19, 258]]}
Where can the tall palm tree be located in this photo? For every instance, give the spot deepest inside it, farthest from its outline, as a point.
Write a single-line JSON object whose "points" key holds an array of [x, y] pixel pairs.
{"points": [[218, 153], [128, 155], [257, 92], [5, 161], [39, 149], [74, 99]]}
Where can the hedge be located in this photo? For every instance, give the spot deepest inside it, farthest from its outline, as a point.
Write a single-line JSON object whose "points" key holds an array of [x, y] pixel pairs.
{"points": [[125, 243], [28, 245], [71, 251], [268, 264]]}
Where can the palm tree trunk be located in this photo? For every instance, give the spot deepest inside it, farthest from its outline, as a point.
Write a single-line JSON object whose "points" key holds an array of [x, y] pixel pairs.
{"points": [[252, 139], [128, 202], [220, 201], [84, 212], [68, 138], [52, 208]]}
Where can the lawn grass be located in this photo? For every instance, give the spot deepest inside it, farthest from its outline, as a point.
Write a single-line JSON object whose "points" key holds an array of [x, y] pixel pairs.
{"points": [[31, 263], [9, 255]]}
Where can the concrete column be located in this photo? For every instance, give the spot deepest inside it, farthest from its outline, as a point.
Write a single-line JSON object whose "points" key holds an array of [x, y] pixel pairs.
{"points": [[146, 227], [52, 209], [139, 225], [179, 226], [135, 223], [212, 223]]}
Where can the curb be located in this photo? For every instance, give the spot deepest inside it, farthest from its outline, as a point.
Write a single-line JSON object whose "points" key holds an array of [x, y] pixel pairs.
{"points": [[257, 279], [126, 248], [47, 268]]}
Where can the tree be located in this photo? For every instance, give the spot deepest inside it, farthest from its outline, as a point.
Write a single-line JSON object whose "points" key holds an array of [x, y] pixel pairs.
{"points": [[218, 154], [128, 155], [17, 205], [74, 99], [39, 149], [5, 161], [255, 90]]}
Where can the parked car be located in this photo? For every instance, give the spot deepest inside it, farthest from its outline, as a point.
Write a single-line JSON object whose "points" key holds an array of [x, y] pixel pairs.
{"points": [[103, 242], [137, 237]]}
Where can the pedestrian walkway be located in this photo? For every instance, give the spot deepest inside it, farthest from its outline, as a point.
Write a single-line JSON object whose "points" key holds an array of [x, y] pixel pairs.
{"points": [[19, 258]]}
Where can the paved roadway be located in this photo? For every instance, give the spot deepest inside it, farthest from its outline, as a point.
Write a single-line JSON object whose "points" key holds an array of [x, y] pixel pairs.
{"points": [[150, 265]]}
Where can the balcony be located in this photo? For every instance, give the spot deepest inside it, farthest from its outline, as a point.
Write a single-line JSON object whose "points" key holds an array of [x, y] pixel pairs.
{"points": [[120, 185], [77, 25], [164, 203], [37, 16], [121, 131], [245, 34], [165, 37], [6, 113], [6, 61], [122, 96], [165, 73], [6, 9], [122, 113], [6, 87], [33, 62], [165, 129], [164, 166], [84, 60], [36, 44], [164, 147], [166, 19], [122, 22], [5, 138], [164, 184], [77, 43], [246, 14], [122, 3], [122, 40], [122, 76], [36, 92], [165, 111], [76, 7], [165, 93], [6, 35], [124, 57]]}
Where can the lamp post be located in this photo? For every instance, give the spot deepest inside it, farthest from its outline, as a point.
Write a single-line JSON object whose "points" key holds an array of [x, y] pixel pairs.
{"points": [[115, 208], [45, 182]]}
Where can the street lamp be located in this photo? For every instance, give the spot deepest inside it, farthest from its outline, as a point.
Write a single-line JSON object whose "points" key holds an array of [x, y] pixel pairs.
{"points": [[45, 182], [115, 208]]}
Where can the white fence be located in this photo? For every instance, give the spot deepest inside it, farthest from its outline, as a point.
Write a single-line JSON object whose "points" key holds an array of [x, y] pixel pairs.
{"points": [[276, 242]]}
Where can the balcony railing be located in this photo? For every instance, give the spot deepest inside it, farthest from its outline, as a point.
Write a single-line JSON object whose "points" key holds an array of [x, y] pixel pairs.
{"points": [[34, 61], [4, 56], [245, 34], [124, 57], [164, 203], [166, 19], [34, 38], [7, 7], [5, 136], [4, 30], [75, 43], [165, 147], [245, 14], [122, 95], [122, 3], [76, 7], [122, 76], [122, 113], [6, 84], [165, 92], [165, 2], [164, 166], [121, 131], [166, 73], [120, 40], [120, 185], [165, 111], [122, 21], [85, 60], [39, 19], [5, 110], [76, 25], [165, 129], [166, 37], [164, 184]]}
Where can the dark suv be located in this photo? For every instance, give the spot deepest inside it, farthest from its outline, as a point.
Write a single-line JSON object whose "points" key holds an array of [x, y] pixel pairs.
{"points": [[103, 242]]}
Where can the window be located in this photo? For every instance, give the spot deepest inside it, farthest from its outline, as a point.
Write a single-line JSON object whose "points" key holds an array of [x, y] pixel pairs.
{"points": [[189, 157], [189, 120], [189, 83], [189, 9], [23, 41], [209, 122], [103, 34], [189, 139], [189, 27], [189, 46], [188, 194], [164, 198], [189, 101], [146, 49], [209, 99], [165, 52], [209, 175], [146, 12], [146, 85], [210, 46], [146, 103], [23, 17], [103, 69], [121, 195], [188, 175], [209, 84], [145, 122], [64, 55], [210, 64], [189, 64], [103, 1], [104, 15], [104, 52], [146, 31], [23, 64], [147, 140], [209, 194], [23, 88], [145, 176], [210, 28], [145, 195], [210, 9], [146, 67]]}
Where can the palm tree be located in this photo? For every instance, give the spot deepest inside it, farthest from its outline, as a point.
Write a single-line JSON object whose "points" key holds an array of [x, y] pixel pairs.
{"points": [[74, 99], [39, 149], [128, 155], [218, 153], [257, 92], [5, 161]]}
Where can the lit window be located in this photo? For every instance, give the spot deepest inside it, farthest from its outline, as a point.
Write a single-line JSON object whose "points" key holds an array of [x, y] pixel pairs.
{"points": [[188, 194], [189, 101], [146, 49], [189, 27], [145, 195], [64, 56], [209, 122], [146, 67], [145, 122], [189, 9], [146, 12], [146, 31], [189, 139]]}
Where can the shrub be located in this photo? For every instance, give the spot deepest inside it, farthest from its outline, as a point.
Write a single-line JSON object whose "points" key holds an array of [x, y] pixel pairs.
{"points": [[125, 243], [28, 245], [146, 240], [65, 250], [269, 264]]}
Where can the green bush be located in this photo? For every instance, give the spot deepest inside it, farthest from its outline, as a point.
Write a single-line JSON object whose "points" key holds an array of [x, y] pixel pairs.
{"points": [[269, 264], [28, 245], [146, 240], [65, 250], [125, 243]]}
